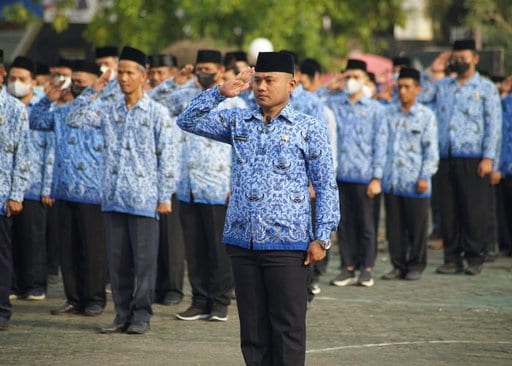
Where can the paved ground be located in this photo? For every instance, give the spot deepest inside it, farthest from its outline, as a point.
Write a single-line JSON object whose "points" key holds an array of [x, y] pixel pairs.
{"points": [[440, 320]]}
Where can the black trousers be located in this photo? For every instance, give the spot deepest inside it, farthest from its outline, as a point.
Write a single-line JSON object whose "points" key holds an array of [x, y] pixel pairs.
{"points": [[29, 248], [132, 246], [407, 228], [271, 298], [464, 209], [53, 238], [356, 234], [6, 267], [491, 234], [171, 254], [435, 206], [208, 265], [83, 257], [504, 203]]}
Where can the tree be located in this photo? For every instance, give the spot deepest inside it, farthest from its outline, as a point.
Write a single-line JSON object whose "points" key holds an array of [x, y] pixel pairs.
{"points": [[325, 29]]}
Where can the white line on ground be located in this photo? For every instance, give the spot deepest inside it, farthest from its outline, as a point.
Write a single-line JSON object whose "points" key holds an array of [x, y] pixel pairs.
{"points": [[375, 345]]}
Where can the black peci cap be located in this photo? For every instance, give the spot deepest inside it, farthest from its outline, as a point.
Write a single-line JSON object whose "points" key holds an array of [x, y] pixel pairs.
{"points": [[42, 69], [275, 62], [353, 64], [464, 44], [133, 54], [409, 73], [23, 63], [310, 67], [162, 60], [63, 62], [86, 66], [1, 56], [206, 56], [236, 55], [107, 51], [294, 55], [402, 61], [371, 75]]}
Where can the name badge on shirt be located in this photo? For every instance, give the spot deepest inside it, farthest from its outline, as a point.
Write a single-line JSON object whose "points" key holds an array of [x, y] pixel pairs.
{"points": [[240, 138]]}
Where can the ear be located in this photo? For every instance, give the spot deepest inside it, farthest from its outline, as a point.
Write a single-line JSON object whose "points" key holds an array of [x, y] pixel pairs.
{"points": [[476, 58], [292, 84]]}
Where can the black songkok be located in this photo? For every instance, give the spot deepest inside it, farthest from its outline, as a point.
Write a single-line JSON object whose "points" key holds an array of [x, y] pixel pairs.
{"points": [[162, 60], [86, 66], [275, 62], [236, 55], [464, 44], [62, 62], [133, 54], [23, 63], [310, 67], [107, 51], [1, 56], [354, 64], [402, 61], [206, 56], [409, 72]]}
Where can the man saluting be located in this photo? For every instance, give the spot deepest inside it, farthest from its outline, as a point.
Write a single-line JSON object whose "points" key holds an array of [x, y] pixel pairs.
{"points": [[277, 151]]}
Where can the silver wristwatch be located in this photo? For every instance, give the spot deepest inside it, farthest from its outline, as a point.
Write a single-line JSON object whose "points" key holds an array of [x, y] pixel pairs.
{"points": [[326, 244]]}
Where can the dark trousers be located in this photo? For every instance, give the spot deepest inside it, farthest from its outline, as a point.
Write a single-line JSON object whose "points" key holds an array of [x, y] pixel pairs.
{"points": [[171, 254], [356, 234], [504, 203], [83, 254], [435, 206], [6, 267], [407, 228], [132, 246], [491, 234], [53, 229], [208, 265], [29, 248], [271, 298], [464, 209]]}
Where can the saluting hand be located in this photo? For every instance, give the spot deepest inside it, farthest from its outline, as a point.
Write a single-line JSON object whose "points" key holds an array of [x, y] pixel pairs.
{"points": [[186, 73], [239, 84], [100, 83], [314, 254], [53, 90]]}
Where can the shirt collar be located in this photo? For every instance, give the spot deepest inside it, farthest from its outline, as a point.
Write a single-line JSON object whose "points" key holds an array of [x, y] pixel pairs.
{"points": [[287, 114], [475, 80], [142, 103]]}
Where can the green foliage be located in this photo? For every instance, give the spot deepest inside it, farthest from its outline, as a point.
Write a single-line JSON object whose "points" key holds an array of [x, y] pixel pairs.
{"points": [[18, 13]]}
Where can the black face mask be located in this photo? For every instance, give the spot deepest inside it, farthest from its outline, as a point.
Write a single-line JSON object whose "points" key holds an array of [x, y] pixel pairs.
{"points": [[206, 79], [460, 67], [77, 90]]}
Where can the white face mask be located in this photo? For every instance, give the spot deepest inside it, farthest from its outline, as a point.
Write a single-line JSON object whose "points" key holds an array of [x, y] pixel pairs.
{"points": [[353, 86], [367, 91], [104, 69], [19, 89], [66, 79], [38, 91]]}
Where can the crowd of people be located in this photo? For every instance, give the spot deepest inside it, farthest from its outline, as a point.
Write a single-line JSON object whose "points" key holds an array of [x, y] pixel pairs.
{"points": [[119, 172]]}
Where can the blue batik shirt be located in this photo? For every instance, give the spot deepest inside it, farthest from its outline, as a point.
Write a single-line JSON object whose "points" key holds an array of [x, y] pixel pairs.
{"points": [[14, 159], [79, 153], [272, 166], [506, 143], [167, 87], [412, 149], [469, 117], [41, 154], [361, 139], [306, 102], [140, 162]]}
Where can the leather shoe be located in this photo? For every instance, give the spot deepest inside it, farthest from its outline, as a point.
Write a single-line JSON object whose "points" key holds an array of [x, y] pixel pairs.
{"points": [[93, 310], [394, 274], [67, 308], [413, 275], [4, 324], [138, 328], [114, 328], [172, 298]]}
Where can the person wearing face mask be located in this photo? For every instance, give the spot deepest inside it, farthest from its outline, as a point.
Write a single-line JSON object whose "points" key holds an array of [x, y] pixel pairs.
{"points": [[42, 78], [29, 249], [361, 159], [79, 157], [203, 190], [470, 121], [107, 58], [15, 174]]}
